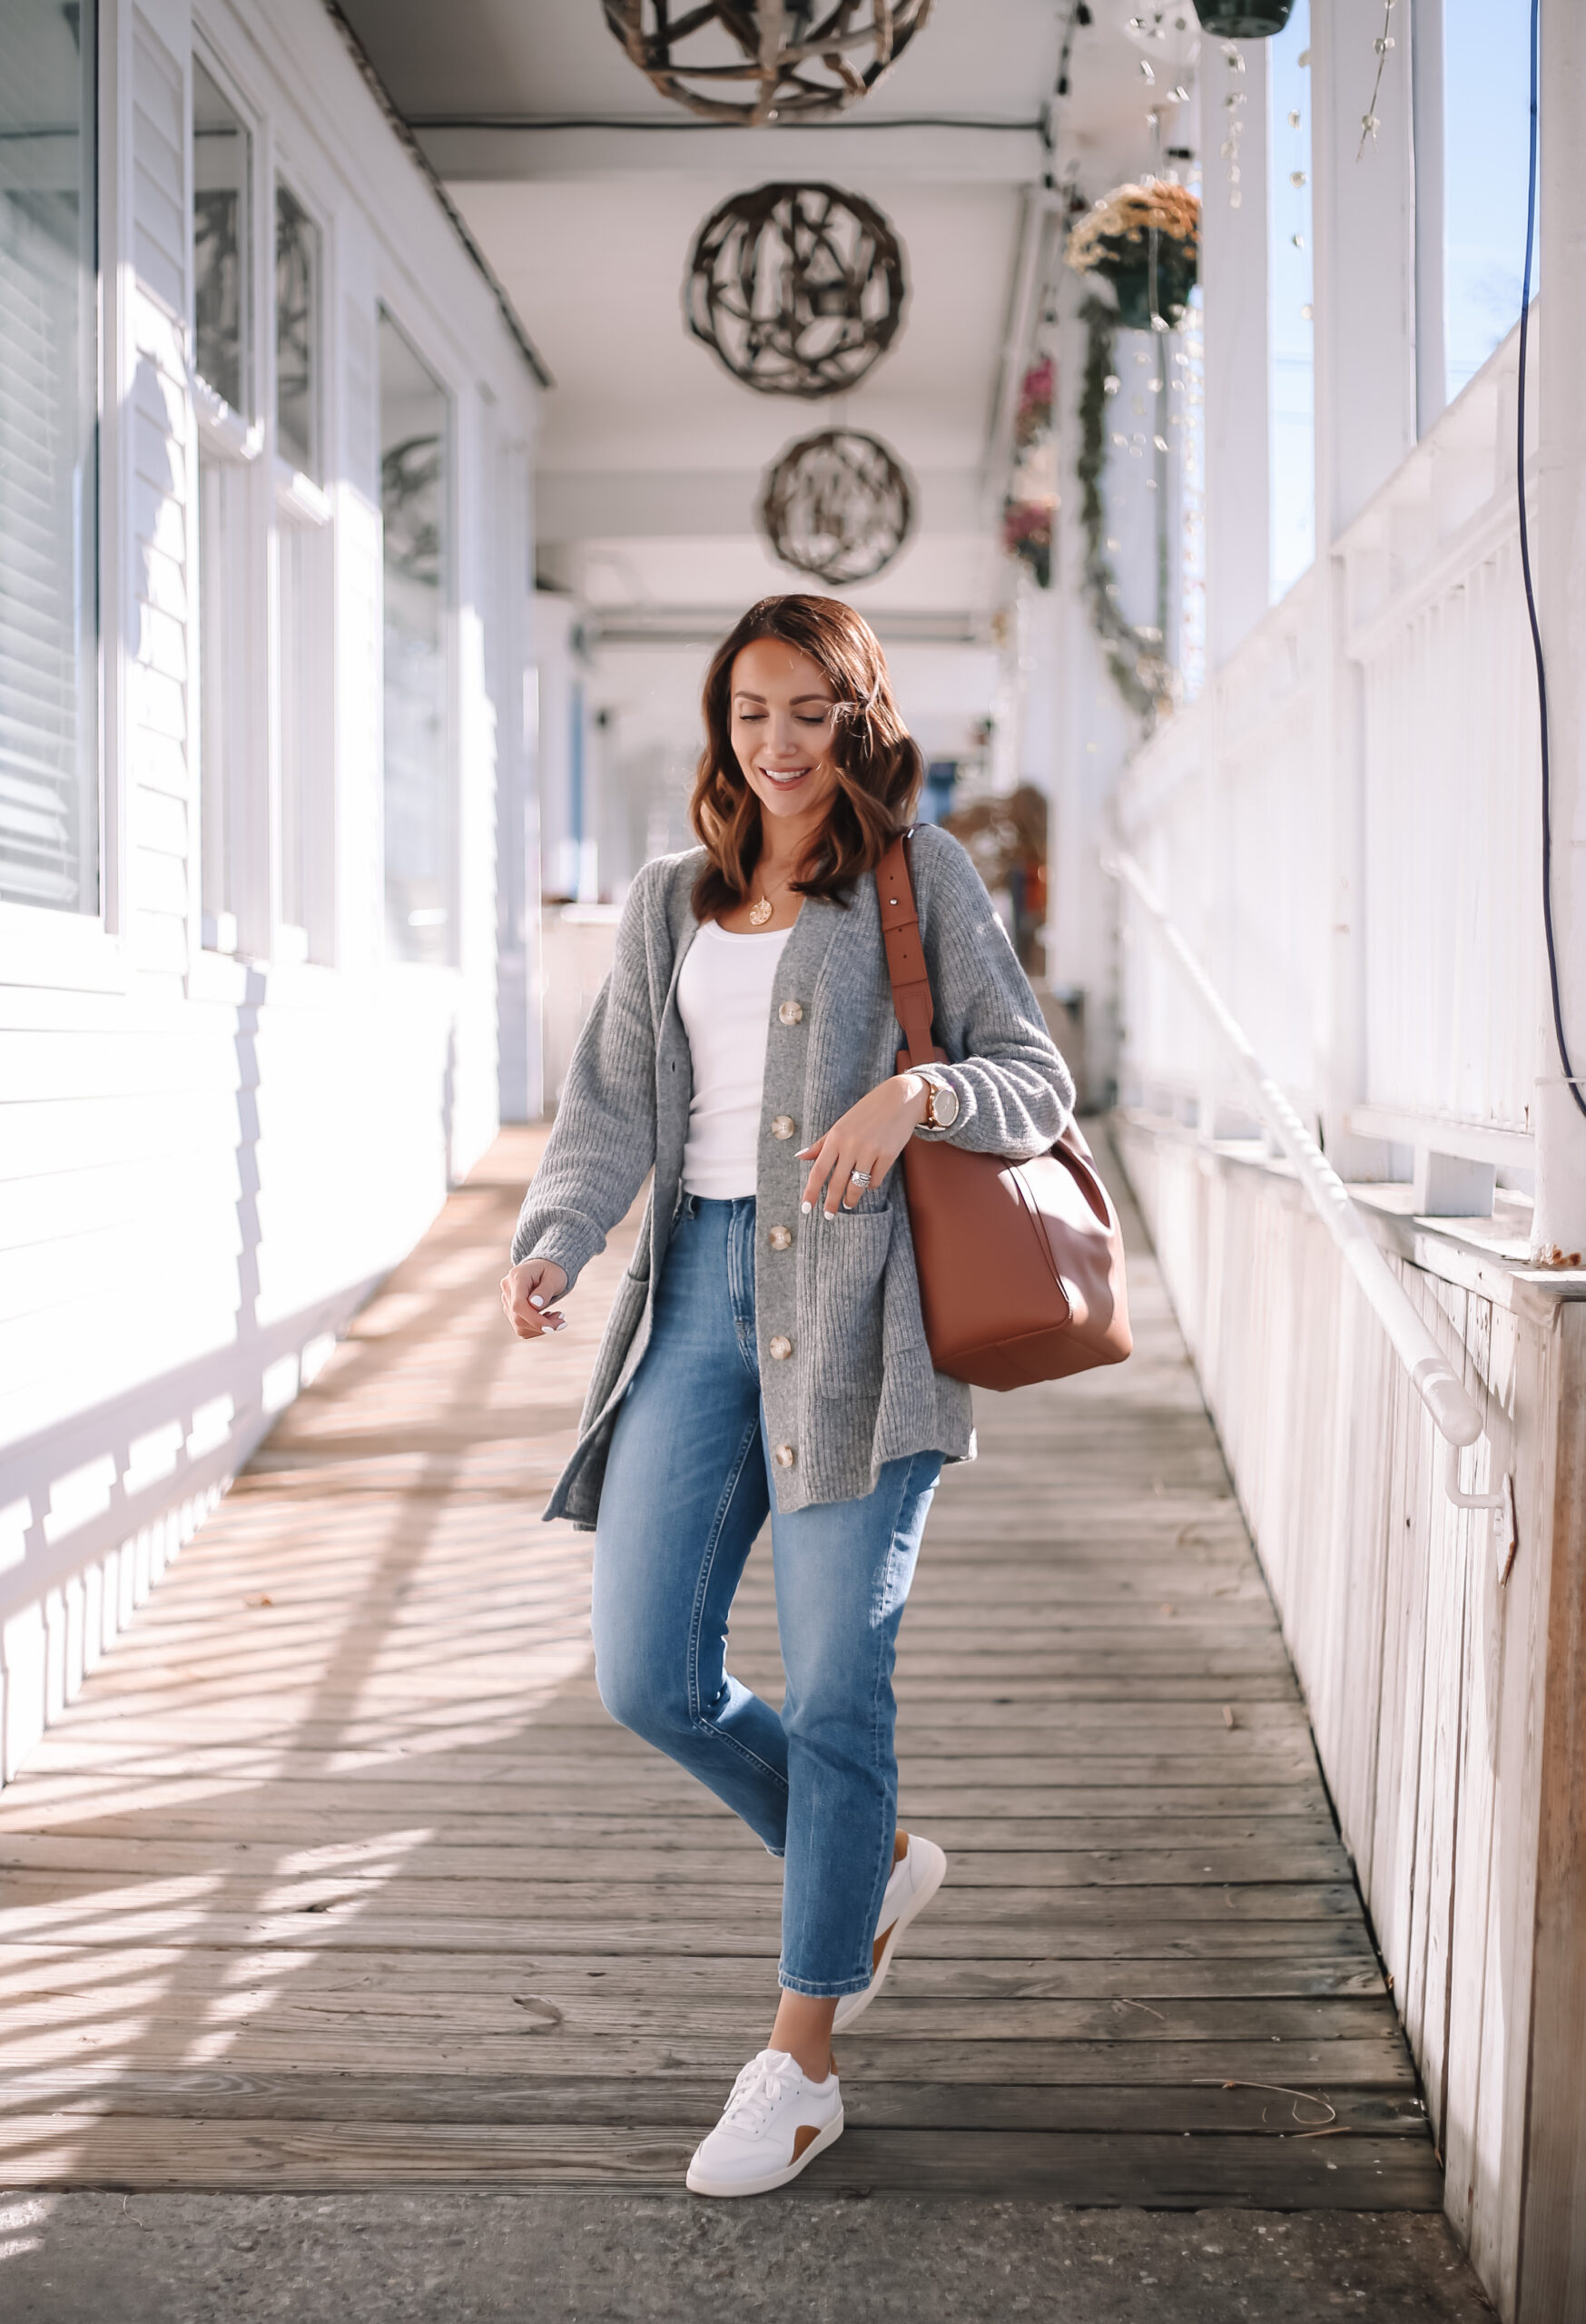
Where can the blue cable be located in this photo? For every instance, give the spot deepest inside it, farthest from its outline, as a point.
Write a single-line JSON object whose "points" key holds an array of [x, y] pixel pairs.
{"points": [[1570, 1083]]}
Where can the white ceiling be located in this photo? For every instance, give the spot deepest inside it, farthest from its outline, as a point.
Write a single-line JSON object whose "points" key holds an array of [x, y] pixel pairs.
{"points": [[585, 187], [596, 269], [507, 59]]}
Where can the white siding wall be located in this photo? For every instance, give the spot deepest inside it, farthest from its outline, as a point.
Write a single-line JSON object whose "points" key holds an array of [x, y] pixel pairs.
{"points": [[206, 1161]]}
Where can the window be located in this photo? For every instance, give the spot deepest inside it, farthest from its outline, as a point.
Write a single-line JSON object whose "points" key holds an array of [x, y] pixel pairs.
{"points": [[297, 334], [305, 826], [1486, 129], [1291, 388], [227, 442], [49, 714], [413, 506], [220, 170]]}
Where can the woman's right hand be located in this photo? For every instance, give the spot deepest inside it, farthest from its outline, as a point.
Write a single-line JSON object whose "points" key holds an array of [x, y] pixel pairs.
{"points": [[526, 1292]]}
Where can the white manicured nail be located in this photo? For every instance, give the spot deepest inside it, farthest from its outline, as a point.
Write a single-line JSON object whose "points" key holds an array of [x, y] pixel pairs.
{"points": [[806, 1207], [535, 1300]]}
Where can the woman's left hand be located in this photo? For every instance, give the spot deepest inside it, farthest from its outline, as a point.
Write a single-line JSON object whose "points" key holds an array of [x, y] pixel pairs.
{"points": [[868, 1137]]}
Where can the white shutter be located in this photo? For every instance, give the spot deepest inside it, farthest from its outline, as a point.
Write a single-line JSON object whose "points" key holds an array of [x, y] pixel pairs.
{"points": [[48, 807]]}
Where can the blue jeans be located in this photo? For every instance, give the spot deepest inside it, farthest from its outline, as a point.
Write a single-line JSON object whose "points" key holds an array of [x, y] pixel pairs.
{"points": [[686, 1489]]}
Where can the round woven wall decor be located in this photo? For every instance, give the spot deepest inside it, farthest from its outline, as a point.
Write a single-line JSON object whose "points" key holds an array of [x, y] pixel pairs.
{"points": [[799, 289], [838, 505], [751, 61]]}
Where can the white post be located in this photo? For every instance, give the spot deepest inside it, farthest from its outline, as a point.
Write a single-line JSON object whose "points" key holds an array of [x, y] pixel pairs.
{"points": [[1363, 221], [1089, 735], [1364, 226], [1558, 546], [1234, 282]]}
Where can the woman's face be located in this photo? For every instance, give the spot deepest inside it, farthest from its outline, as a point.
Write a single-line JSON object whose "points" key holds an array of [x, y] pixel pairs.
{"points": [[784, 729]]}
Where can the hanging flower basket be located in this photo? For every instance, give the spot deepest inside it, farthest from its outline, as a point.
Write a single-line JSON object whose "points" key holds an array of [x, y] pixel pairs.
{"points": [[1175, 281], [1142, 238], [1242, 19], [1027, 533], [1030, 510]]}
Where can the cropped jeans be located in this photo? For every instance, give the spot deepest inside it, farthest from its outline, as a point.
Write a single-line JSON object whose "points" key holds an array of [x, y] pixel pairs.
{"points": [[686, 1489]]}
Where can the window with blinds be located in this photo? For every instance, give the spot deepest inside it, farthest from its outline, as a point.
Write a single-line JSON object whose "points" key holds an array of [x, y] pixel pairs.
{"points": [[49, 717]]}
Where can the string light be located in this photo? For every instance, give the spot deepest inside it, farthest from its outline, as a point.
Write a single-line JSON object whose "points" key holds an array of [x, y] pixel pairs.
{"points": [[1233, 104], [1369, 123]]}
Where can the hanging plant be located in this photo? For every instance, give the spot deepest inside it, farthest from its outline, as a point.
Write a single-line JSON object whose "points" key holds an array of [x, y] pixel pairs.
{"points": [[1141, 676], [1031, 505], [1145, 239], [1242, 19]]}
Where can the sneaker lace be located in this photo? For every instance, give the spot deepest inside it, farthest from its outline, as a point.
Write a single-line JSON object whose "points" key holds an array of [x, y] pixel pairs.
{"points": [[757, 2089]]}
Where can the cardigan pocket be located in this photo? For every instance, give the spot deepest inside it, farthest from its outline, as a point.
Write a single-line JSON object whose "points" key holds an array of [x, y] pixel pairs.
{"points": [[612, 1368], [851, 1255]]}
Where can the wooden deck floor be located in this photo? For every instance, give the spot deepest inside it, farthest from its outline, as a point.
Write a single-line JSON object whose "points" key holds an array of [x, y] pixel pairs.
{"points": [[337, 1875]]}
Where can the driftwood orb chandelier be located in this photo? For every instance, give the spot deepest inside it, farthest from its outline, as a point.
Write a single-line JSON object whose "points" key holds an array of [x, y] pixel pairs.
{"points": [[838, 505], [799, 289], [752, 61]]}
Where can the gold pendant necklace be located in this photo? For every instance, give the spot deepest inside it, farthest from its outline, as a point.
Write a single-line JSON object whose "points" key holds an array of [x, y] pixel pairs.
{"points": [[761, 912]]}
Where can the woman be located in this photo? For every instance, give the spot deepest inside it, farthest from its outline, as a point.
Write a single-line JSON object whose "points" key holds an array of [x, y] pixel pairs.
{"points": [[765, 1352]]}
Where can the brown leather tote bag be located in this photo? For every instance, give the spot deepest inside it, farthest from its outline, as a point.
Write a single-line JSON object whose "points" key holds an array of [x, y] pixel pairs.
{"points": [[1020, 1264]]}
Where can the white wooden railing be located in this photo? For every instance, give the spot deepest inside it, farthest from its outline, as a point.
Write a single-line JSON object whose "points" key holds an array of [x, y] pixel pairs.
{"points": [[1454, 1410], [1345, 825]]}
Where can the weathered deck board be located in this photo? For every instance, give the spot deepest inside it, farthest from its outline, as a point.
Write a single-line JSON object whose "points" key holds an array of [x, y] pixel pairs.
{"points": [[336, 1874]]}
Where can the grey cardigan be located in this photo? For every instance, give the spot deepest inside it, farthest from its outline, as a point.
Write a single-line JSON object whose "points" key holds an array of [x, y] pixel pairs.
{"points": [[860, 1389]]}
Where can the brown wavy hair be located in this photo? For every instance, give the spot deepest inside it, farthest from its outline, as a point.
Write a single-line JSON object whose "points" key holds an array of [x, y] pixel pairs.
{"points": [[880, 767]]}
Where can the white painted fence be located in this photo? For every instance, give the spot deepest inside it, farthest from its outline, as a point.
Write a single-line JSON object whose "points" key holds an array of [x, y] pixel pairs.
{"points": [[1449, 1704], [1346, 827]]}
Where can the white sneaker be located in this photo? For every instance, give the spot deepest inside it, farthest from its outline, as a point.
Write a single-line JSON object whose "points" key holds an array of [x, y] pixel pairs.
{"points": [[775, 2121], [917, 1876]]}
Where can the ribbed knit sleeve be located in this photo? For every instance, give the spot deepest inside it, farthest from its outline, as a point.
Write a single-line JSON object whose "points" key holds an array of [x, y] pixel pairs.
{"points": [[603, 1143], [1015, 1092]]}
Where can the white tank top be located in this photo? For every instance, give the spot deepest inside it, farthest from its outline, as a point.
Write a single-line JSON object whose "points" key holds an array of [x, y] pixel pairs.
{"points": [[723, 997]]}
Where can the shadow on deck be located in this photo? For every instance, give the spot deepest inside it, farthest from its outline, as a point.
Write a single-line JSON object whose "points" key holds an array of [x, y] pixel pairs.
{"points": [[336, 1875]]}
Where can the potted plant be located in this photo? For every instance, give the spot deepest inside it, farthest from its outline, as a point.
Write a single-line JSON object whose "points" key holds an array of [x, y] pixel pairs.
{"points": [[1242, 19], [1145, 239]]}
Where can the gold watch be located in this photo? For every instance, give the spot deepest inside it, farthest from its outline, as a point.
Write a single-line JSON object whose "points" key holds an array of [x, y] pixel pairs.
{"points": [[940, 1105]]}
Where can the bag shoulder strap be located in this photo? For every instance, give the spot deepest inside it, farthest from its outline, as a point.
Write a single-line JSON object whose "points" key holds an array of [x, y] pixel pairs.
{"points": [[912, 997]]}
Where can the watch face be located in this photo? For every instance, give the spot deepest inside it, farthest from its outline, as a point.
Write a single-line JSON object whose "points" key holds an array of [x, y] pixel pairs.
{"points": [[943, 1105]]}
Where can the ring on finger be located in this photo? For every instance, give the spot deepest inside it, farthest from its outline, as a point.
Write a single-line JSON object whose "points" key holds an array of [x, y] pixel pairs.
{"points": [[860, 1178]]}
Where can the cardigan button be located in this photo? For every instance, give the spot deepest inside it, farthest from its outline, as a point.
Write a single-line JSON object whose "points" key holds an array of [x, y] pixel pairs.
{"points": [[780, 1239], [782, 1348], [782, 1126], [783, 1456], [791, 1012]]}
